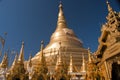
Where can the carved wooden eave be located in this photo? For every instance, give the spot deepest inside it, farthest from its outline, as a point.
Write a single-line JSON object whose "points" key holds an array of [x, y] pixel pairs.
{"points": [[98, 50], [101, 43], [111, 52]]}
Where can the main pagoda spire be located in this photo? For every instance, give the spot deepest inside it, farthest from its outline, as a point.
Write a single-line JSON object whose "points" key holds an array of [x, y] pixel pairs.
{"points": [[61, 23]]}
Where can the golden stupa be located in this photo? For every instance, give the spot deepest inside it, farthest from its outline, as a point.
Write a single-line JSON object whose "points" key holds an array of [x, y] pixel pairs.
{"points": [[63, 41]]}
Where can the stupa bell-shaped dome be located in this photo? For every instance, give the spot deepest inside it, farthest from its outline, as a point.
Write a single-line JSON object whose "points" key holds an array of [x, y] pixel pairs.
{"points": [[63, 34], [69, 44]]}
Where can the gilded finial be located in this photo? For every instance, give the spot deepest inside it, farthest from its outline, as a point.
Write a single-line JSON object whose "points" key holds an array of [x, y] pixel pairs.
{"points": [[21, 55], [42, 43], [14, 62], [89, 55], [22, 42], [109, 7], [30, 62], [60, 5], [30, 56], [107, 2]]}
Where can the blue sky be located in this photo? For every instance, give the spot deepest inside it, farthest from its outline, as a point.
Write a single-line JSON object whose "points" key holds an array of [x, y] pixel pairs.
{"points": [[34, 20]]}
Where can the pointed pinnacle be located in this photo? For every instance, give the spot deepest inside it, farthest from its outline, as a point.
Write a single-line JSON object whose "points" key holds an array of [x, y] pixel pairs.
{"points": [[61, 23], [42, 43], [109, 7], [60, 5], [21, 55]]}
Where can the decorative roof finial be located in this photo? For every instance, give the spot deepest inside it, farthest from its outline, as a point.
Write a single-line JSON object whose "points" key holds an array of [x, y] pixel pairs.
{"points": [[83, 63], [42, 54], [14, 62], [107, 2], [109, 7], [42, 43], [29, 61], [60, 5], [89, 55], [22, 42]]}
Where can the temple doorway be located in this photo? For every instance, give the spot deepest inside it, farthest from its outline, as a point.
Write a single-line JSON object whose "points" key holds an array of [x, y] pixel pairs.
{"points": [[115, 71]]}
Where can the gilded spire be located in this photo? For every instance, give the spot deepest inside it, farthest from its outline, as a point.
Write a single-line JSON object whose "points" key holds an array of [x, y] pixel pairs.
{"points": [[15, 61], [42, 67], [21, 56], [42, 61], [4, 63], [42, 43], [59, 58], [89, 56], [112, 15], [29, 61], [71, 64], [109, 7], [61, 23], [83, 64]]}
